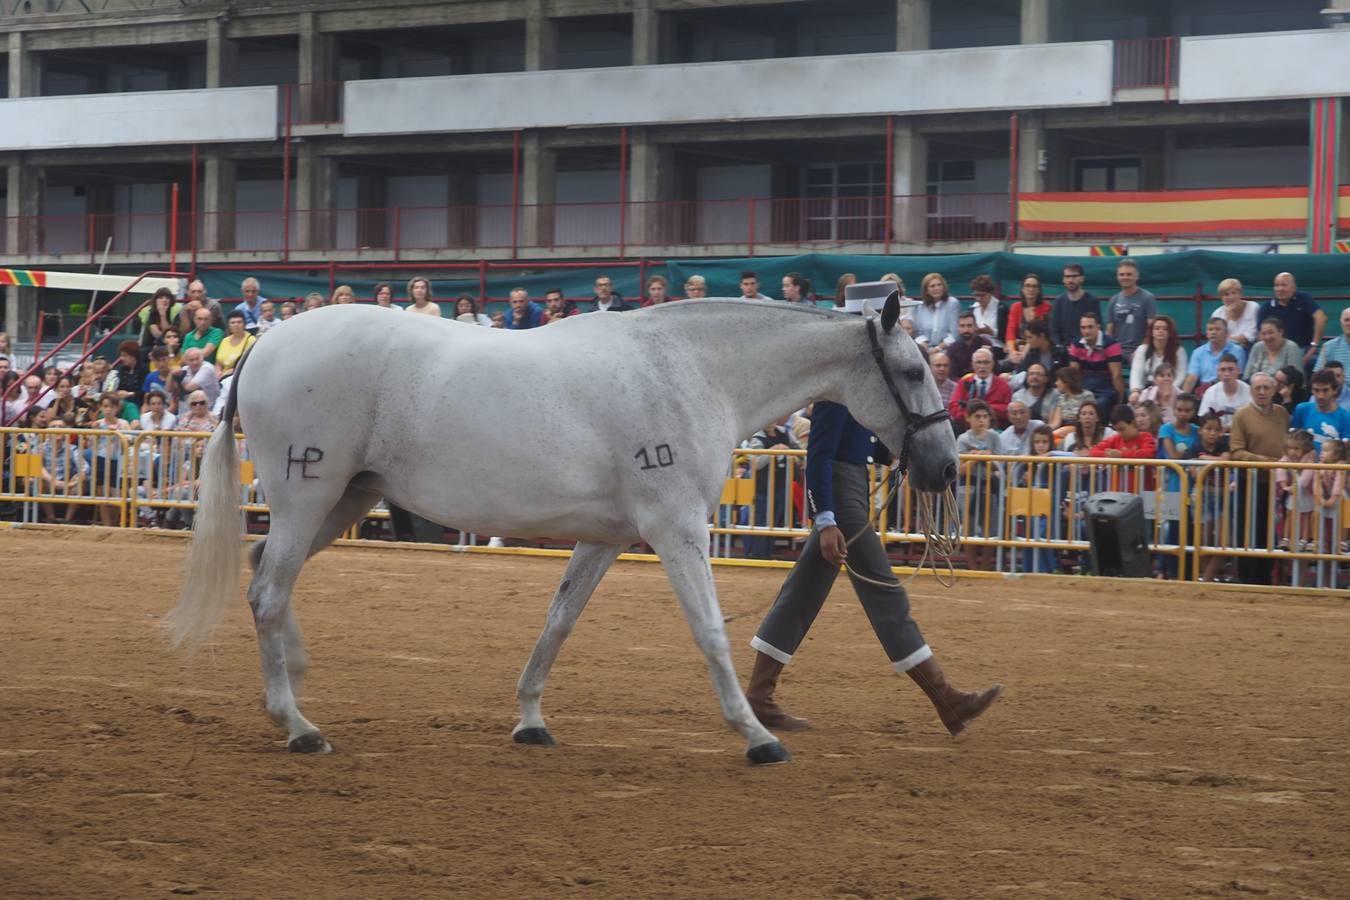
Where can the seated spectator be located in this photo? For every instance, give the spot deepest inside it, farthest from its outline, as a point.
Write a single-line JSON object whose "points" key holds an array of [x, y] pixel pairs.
{"points": [[1273, 352], [1322, 415], [1148, 417], [979, 487], [963, 348], [1163, 348], [159, 316], [108, 456], [605, 299], [656, 291], [1040, 399], [203, 336], [559, 307], [466, 310], [1129, 441], [198, 375], [1035, 348], [233, 345], [498, 320], [935, 319], [314, 300], [1227, 395], [525, 313], [267, 317], [197, 299], [288, 310], [1203, 368], [1015, 440], [1302, 318], [173, 343], [1238, 313], [942, 367], [1342, 390], [1069, 386], [1338, 348], [840, 284], [161, 377], [156, 416], [750, 286], [185, 485], [1162, 392], [63, 468], [64, 399], [384, 296], [982, 385], [343, 294], [695, 287], [1098, 356], [251, 307], [419, 292], [988, 313], [1289, 389], [198, 416], [1031, 307], [125, 378], [1087, 431]]}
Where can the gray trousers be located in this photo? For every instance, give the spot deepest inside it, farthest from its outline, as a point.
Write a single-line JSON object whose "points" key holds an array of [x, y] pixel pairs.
{"points": [[804, 592]]}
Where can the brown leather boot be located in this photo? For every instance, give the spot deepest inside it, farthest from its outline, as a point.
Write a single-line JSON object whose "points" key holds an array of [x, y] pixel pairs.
{"points": [[763, 680], [956, 708]]}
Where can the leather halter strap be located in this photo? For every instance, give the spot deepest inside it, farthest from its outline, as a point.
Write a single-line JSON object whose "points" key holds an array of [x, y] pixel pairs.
{"points": [[913, 424]]}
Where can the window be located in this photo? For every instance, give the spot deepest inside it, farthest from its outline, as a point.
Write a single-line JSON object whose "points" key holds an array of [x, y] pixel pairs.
{"points": [[1114, 174], [844, 202]]}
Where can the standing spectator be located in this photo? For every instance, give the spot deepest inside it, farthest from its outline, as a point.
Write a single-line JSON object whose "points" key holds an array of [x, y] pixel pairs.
{"points": [[1322, 415], [108, 456], [1329, 496], [1212, 447], [1179, 437], [982, 385], [605, 299], [1203, 369], [1258, 432], [467, 306], [419, 292], [695, 287], [1130, 310], [1163, 348], [1163, 392], [656, 291], [1237, 312], [1304, 321], [987, 312], [233, 345], [936, 315], [1069, 308], [1015, 440], [1295, 487], [384, 296], [525, 313], [797, 288], [767, 438], [251, 307], [344, 294], [978, 488], [1227, 395], [205, 336], [199, 375], [840, 288], [1338, 348], [559, 307], [1030, 307], [1274, 352], [1098, 357], [750, 286], [1036, 393], [1039, 475], [963, 348], [941, 365]]}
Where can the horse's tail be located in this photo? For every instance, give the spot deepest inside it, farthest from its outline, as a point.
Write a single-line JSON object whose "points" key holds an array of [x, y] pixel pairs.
{"points": [[211, 582]]}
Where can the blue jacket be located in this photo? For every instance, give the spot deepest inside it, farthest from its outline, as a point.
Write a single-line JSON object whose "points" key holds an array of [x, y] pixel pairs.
{"points": [[835, 436], [533, 317]]}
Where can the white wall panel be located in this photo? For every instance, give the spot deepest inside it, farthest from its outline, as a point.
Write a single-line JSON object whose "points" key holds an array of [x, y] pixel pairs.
{"points": [[1267, 66], [148, 117], [985, 78]]}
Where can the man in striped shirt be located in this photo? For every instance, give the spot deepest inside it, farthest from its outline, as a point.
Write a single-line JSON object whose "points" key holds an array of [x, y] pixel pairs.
{"points": [[1099, 357]]}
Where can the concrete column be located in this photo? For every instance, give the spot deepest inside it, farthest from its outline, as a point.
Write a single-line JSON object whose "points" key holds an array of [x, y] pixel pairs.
{"points": [[538, 191], [650, 39], [220, 179], [909, 184], [461, 227], [913, 24], [315, 196], [25, 68], [541, 37], [1035, 21], [23, 205], [650, 180], [318, 58], [1030, 143], [222, 57]]}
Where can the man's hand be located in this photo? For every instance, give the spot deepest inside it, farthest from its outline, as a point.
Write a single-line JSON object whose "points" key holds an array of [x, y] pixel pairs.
{"points": [[832, 545], [1309, 354]]}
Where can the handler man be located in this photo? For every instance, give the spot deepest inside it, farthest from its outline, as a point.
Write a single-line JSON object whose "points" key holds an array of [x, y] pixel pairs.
{"points": [[837, 457]]}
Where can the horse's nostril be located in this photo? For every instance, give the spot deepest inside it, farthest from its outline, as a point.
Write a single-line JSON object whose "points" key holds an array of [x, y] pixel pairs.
{"points": [[949, 472]]}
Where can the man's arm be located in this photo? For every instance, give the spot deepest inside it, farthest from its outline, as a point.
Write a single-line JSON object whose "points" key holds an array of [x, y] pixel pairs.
{"points": [[1319, 327], [1116, 380]]}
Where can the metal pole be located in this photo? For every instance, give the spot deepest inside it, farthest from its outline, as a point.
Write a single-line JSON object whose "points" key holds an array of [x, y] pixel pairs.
{"points": [[623, 190], [192, 226], [1013, 189], [286, 180], [890, 180], [515, 193], [93, 298], [750, 239], [173, 228], [482, 283]]}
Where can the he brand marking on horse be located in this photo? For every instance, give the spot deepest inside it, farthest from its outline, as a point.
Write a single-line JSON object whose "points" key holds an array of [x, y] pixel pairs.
{"points": [[664, 457], [311, 455]]}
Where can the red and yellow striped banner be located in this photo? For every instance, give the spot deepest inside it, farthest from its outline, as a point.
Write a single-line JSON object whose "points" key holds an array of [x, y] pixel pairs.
{"points": [[1343, 246], [1166, 212], [23, 277], [1108, 250]]}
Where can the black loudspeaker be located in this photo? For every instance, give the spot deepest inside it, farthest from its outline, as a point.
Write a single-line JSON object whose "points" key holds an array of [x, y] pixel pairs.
{"points": [[1118, 535], [412, 527]]}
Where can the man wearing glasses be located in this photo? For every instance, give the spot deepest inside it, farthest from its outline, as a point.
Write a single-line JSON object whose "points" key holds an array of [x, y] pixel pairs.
{"points": [[1070, 307]]}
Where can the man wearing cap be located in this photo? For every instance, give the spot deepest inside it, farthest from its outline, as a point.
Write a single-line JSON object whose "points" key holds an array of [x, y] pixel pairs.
{"points": [[837, 460]]}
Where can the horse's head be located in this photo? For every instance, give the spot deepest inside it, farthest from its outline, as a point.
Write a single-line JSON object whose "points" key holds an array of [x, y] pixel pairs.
{"points": [[898, 399]]}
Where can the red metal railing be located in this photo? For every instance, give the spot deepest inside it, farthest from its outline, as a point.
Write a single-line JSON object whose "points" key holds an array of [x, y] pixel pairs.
{"points": [[311, 103], [1147, 63]]}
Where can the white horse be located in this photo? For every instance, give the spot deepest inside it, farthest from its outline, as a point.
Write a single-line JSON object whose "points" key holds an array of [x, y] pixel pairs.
{"points": [[464, 425]]}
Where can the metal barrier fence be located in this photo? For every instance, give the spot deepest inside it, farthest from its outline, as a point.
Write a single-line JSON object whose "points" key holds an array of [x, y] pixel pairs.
{"points": [[1018, 514]]}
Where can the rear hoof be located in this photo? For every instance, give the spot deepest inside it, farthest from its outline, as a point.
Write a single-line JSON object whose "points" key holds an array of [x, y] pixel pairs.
{"points": [[539, 736], [310, 742], [768, 754]]}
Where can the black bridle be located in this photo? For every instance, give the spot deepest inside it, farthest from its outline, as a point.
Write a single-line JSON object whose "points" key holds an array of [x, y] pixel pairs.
{"points": [[913, 424]]}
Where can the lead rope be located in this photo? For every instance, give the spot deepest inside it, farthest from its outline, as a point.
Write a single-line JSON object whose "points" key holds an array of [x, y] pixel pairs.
{"points": [[941, 540]]}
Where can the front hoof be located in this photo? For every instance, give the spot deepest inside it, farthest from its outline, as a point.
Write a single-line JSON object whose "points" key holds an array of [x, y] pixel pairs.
{"points": [[310, 742], [539, 736], [768, 754]]}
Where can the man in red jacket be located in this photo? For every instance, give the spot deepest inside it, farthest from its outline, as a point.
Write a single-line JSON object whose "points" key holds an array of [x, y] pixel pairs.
{"points": [[981, 384]]}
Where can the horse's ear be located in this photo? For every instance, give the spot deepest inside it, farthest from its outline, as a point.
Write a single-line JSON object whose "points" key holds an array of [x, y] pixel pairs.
{"points": [[890, 313]]}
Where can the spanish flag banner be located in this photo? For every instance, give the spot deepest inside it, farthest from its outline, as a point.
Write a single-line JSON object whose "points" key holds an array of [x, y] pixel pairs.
{"points": [[1245, 210]]}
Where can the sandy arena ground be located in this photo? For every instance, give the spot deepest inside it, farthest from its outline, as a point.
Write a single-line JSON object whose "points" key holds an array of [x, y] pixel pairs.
{"points": [[1154, 741]]}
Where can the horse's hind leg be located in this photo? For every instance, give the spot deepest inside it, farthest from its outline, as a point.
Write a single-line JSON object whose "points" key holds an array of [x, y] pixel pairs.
{"points": [[589, 564], [685, 557]]}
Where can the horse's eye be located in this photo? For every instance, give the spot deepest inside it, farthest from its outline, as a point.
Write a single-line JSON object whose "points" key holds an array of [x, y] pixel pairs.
{"points": [[914, 374]]}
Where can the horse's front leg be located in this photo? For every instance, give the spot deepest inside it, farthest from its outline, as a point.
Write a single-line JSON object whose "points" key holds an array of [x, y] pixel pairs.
{"points": [[685, 557], [588, 565]]}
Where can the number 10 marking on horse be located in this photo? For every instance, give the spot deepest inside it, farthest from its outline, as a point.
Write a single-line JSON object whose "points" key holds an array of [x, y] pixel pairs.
{"points": [[449, 457]]}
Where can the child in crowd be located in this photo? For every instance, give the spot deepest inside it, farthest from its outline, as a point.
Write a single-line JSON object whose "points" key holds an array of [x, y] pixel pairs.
{"points": [[1148, 417], [1213, 446], [108, 456], [1296, 487], [1213, 439], [1129, 442], [980, 491], [1179, 436], [1163, 391], [1328, 491], [1038, 476], [287, 310]]}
